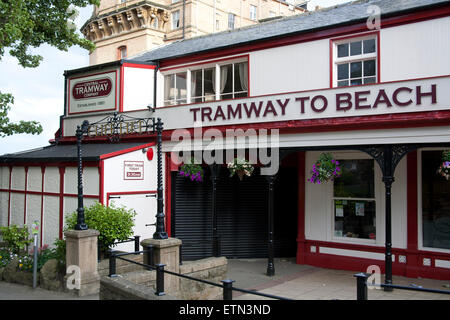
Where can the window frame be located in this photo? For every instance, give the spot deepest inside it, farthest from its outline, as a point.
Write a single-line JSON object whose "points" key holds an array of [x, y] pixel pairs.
{"points": [[177, 14], [231, 20], [120, 51], [420, 242], [176, 99], [335, 60], [206, 65], [328, 192], [253, 13]]}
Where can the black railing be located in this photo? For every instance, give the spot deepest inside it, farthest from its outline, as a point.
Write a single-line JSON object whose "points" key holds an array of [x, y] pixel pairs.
{"points": [[135, 239], [227, 284], [362, 287]]}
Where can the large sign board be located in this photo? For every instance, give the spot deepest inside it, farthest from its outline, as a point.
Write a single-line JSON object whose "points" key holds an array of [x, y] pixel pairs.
{"points": [[93, 93]]}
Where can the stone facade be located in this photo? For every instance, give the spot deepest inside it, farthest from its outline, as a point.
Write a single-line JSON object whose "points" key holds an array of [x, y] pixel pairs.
{"points": [[140, 25]]}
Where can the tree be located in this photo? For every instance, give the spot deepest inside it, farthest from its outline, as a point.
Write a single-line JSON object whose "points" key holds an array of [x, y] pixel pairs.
{"points": [[26, 24]]}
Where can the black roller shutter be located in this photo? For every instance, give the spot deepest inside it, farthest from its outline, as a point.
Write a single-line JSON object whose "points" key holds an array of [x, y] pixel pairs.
{"points": [[241, 215]]}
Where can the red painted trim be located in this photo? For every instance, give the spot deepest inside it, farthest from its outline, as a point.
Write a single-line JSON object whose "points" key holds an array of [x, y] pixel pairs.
{"points": [[50, 164], [120, 152], [122, 75], [205, 62], [349, 37], [301, 248], [123, 193], [51, 194], [25, 197], [138, 65], [422, 15], [101, 171], [168, 193], [360, 264], [62, 171], [9, 196], [90, 75], [412, 261]]}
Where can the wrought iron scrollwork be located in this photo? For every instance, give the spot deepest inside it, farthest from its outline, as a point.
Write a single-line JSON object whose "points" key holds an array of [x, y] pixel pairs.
{"points": [[115, 126]]}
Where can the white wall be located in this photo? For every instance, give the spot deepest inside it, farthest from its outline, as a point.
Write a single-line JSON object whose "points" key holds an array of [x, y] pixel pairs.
{"points": [[416, 50]]}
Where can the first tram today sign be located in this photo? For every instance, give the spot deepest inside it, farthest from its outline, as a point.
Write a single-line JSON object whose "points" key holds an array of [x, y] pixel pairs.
{"points": [[97, 92]]}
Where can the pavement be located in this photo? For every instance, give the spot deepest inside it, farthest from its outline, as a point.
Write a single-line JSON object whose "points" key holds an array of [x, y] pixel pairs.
{"points": [[293, 281]]}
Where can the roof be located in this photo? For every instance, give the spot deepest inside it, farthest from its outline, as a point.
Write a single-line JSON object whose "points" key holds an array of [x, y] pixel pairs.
{"points": [[344, 14], [67, 153]]}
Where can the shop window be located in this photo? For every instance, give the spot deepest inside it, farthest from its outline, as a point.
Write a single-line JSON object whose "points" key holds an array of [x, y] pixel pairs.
{"points": [[176, 20], [175, 89], [435, 203], [233, 80], [354, 204], [355, 61]]}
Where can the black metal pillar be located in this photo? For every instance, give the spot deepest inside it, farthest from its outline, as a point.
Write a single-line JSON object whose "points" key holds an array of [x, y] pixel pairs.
{"points": [[160, 232], [81, 225], [270, 249], [215, 169], [388, 179]]}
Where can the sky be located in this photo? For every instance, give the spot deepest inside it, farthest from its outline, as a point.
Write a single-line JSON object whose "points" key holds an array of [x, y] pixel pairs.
{"points": [[39, 92]]}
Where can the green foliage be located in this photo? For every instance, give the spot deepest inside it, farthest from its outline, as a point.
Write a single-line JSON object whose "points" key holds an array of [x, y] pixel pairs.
{"points": [[26, 24], [16, 238], [59, 253], [6, 127], [113, 223], [5, 257]]}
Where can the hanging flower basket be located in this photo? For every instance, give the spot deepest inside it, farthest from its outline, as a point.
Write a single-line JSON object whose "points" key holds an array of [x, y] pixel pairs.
{"points": [[325, 169], [241, 167], [444, 168], [192, 171]]}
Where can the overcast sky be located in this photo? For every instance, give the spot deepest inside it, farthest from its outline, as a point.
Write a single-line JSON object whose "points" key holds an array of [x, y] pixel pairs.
{"points": [[39, 92]]}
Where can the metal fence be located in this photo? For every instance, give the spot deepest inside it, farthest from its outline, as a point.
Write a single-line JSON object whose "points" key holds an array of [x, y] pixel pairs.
{"points": [[227, 284], [362, 287], [135, 239]]}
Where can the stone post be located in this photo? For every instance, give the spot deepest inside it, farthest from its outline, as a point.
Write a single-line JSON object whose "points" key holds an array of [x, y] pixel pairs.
{"points": [[81, 252], [167, 252]]}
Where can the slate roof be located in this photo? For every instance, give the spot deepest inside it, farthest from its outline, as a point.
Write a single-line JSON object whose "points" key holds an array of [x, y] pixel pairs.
{"points": [[347, 13], [58, 153]]}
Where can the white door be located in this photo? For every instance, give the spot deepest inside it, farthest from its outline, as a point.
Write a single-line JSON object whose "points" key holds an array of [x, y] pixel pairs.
{"points": [[145, 206]]}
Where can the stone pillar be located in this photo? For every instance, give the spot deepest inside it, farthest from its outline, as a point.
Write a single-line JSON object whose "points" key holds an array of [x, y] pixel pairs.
{"points": [[81, 251], [166, 251]]}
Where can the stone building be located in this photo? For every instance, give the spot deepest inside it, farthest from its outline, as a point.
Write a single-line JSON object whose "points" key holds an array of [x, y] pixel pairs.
{"points": [[123, 28]]}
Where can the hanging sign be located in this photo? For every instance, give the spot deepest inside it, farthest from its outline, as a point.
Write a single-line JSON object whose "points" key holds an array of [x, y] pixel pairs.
{"points": [[133, 170], [97, 92]]}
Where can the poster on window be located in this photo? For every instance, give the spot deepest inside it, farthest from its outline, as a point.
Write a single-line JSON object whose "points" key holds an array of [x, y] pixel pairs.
{"points": [[339, 210], [359, 209]]}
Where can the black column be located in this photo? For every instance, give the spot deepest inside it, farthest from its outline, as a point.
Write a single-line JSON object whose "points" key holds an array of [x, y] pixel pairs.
{"points": [[215, 169], [270, 249], [81, 225], [160, 232], [388, 179]]}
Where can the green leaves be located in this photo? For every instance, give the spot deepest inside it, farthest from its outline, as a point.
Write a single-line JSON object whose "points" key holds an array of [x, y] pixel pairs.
{"points": [[113, 223], [17, 238], [6, 127], [27, 24]]}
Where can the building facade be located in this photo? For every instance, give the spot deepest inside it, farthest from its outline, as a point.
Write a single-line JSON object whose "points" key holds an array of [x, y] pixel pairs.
{"points": [[121, 29], [375, 96]]}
